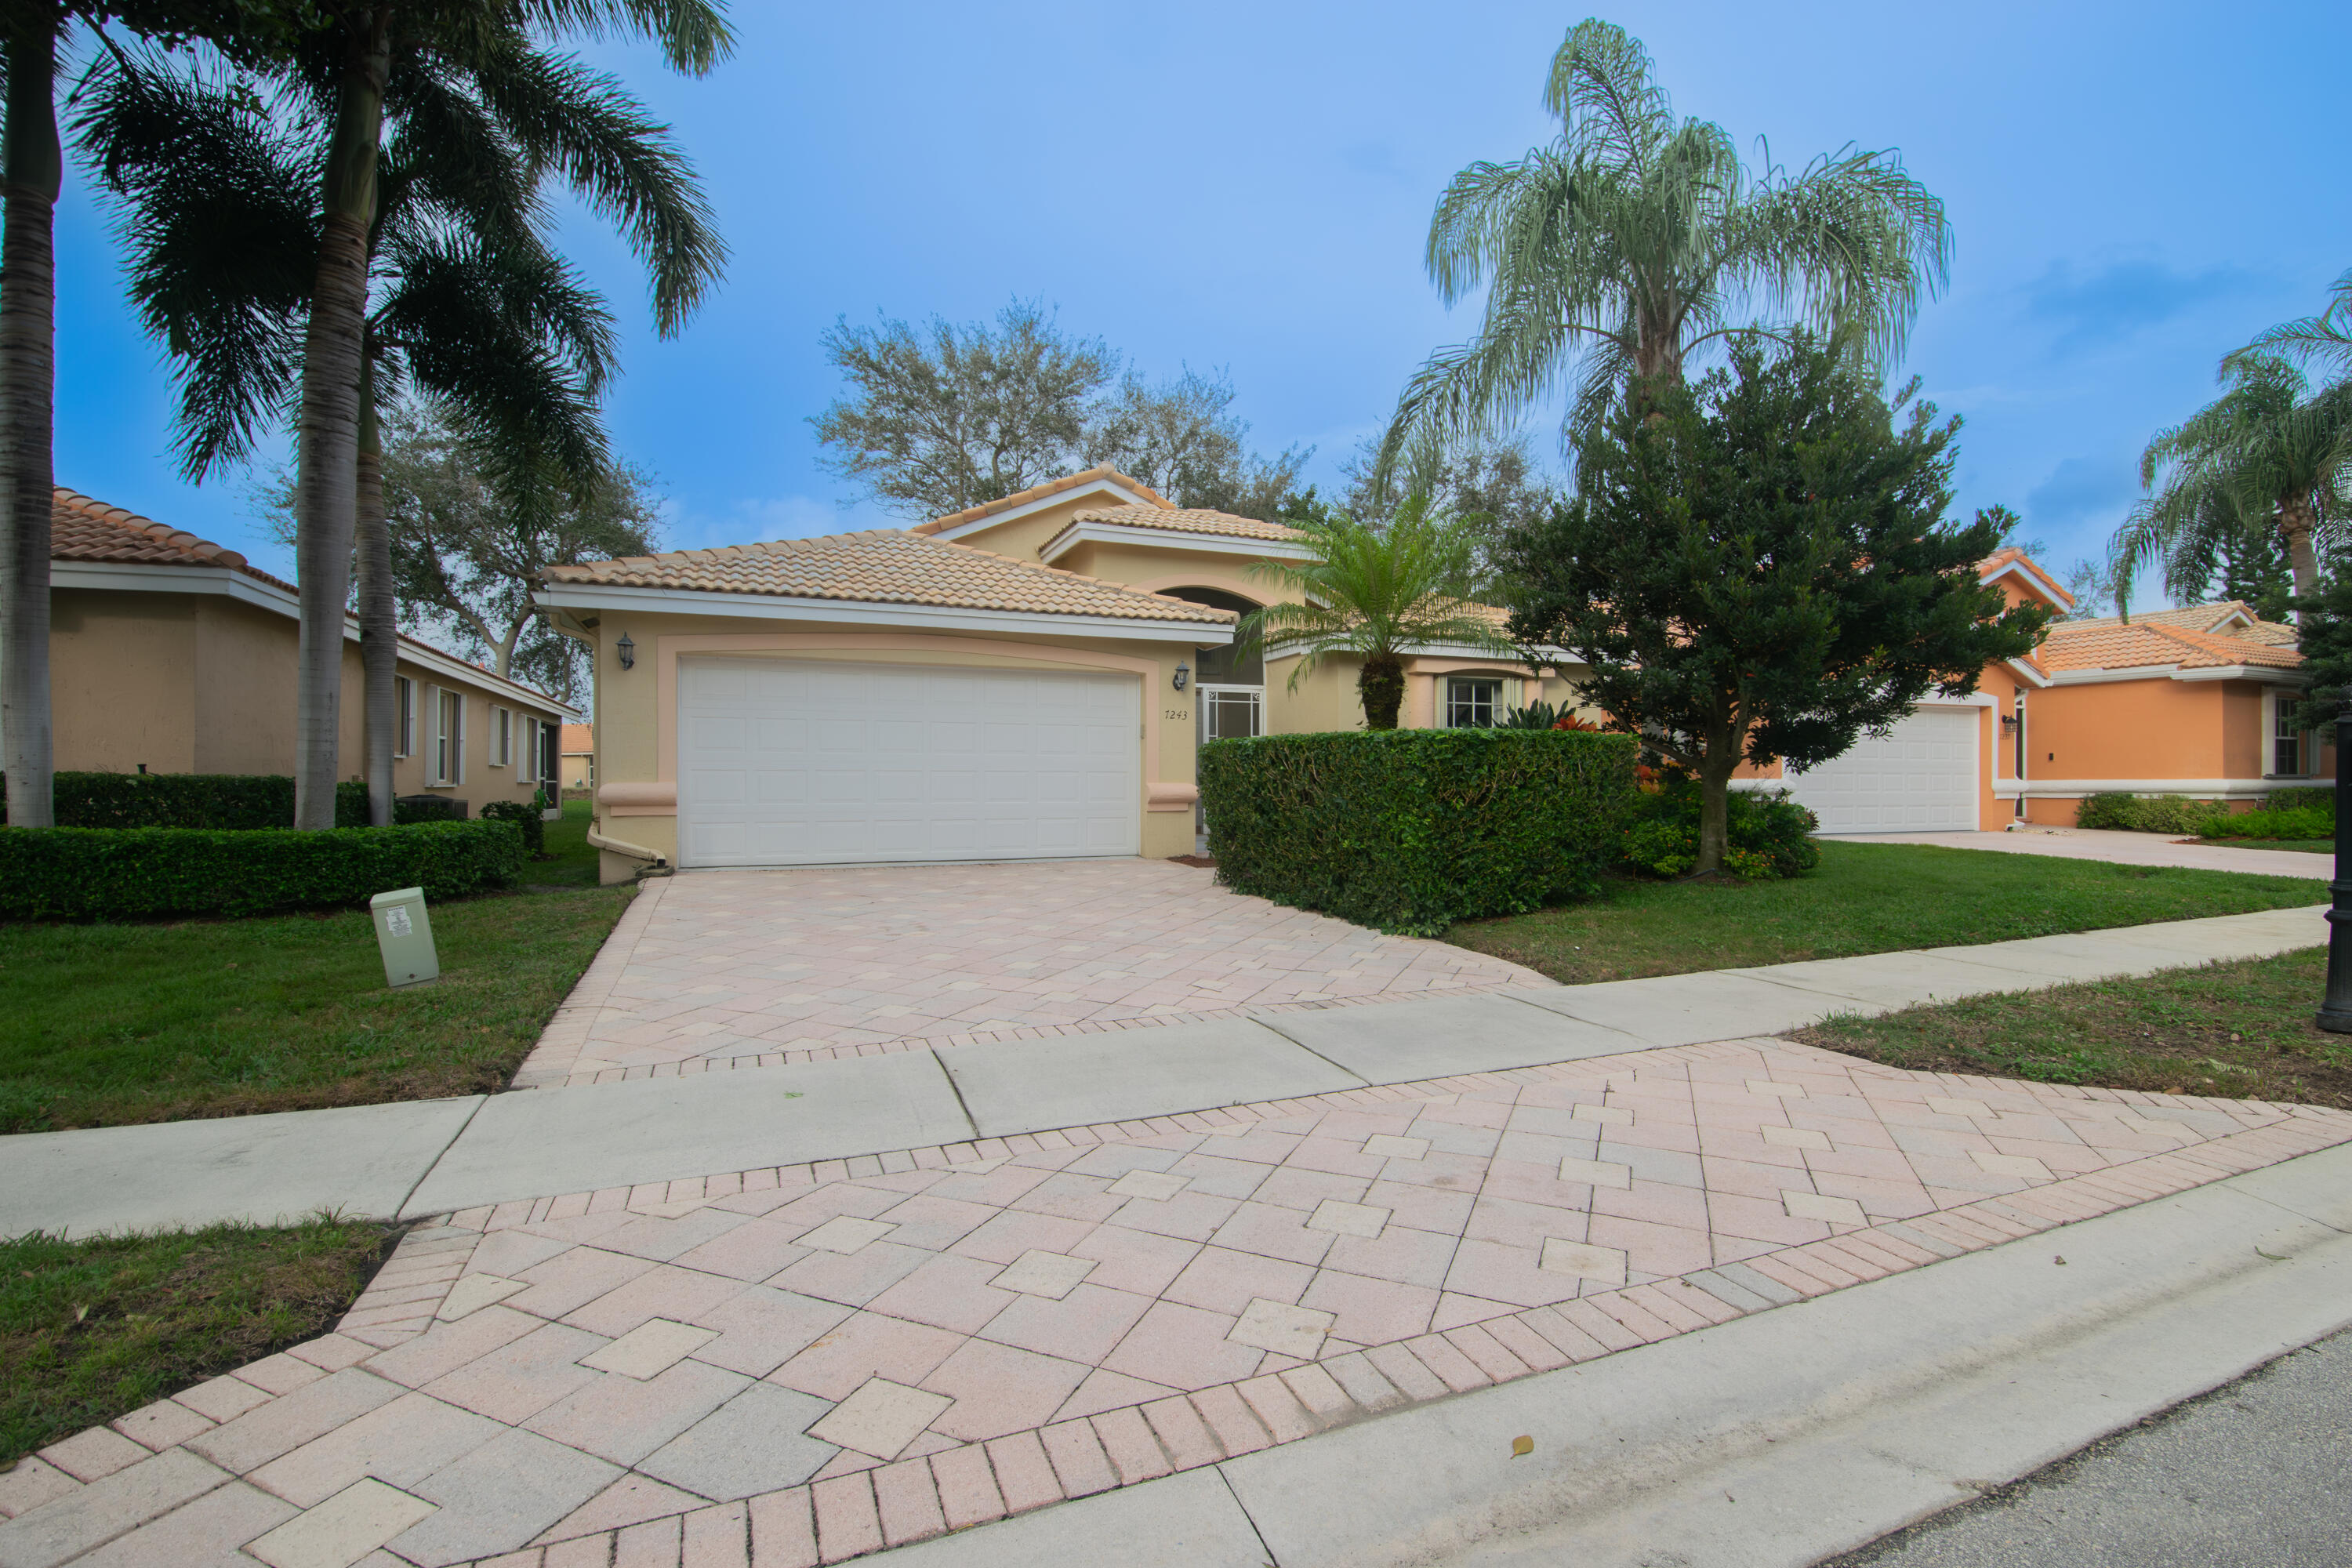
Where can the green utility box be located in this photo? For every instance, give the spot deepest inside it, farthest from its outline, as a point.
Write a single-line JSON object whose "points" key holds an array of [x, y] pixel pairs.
{"points": [[405, 933]]}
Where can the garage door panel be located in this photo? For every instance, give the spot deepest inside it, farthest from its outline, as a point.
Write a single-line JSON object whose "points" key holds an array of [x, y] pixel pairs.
{"points": [[1922, 777], [805, 763]]}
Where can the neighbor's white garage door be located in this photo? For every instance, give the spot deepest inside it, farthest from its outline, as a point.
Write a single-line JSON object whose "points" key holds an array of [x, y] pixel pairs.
{"points": [[786, 763], [1921, 778]]}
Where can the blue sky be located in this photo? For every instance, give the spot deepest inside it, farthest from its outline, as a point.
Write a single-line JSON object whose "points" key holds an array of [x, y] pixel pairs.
{"points": [[2134, 189]]}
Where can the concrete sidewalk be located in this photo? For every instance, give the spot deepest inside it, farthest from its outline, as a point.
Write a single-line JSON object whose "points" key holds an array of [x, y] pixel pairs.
{"points": [[441, 1156], [2123, 848]]}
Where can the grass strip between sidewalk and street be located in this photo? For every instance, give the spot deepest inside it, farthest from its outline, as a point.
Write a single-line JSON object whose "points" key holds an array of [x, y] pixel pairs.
{"points": [[93, 1329], [2239, 1030], [106, 1024], [1865, 898]]}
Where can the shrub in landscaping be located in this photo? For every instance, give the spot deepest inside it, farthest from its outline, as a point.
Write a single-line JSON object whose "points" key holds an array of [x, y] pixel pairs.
{"points": [[2279, 824], [527, 817], [1769, 834], [2146, 814], [2322, 799], [224, 803], [1411, 830], [135, 873]]}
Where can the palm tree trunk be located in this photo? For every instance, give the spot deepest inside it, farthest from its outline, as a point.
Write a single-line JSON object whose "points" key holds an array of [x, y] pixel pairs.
{"points": [[2296, 522], [379, 633], [1381, 684], [326, 494], [27, 387]]}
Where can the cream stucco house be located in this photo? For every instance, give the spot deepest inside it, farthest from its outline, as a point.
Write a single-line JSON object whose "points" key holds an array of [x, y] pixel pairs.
{"points": [[172, 655], [1027, 679]]}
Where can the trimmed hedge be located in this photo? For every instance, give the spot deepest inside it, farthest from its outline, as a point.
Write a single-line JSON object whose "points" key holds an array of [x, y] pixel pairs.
{"points": [[2280, 825], [527, 817], [136, 873], [1411, 830], [222, 803], [2322, 799], [2146, 814]]}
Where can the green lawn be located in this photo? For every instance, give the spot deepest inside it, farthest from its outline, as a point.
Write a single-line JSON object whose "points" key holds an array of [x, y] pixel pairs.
{"points": [[574, 864], [102, 1024], [2240, 1029], [1865, 898], [93, 1330], [2306, 846]]}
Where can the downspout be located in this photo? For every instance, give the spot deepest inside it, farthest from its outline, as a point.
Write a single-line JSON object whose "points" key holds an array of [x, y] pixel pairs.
{"points": [[633, 851]]}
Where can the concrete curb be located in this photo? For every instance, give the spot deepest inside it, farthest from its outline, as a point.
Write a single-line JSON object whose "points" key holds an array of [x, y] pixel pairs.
{"points": [[1780, 1438]]}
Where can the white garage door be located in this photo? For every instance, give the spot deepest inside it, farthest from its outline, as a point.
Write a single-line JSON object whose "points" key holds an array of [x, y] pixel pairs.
{"points": [[786, 763], [1921, 778]]}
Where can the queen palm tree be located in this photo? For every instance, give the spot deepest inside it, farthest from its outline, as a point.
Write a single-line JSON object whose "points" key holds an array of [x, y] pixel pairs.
{"points": [[2325, 338], [470, 304], [481, 60], [1374, 593], [2268, 452], [1635, 239]]}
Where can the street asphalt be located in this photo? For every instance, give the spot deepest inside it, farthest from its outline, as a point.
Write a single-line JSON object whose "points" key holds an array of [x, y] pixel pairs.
{"points": [[2250, 1476]]}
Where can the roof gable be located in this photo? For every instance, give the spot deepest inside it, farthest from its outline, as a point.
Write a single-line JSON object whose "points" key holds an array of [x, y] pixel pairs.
{"points": [[1116, 488]]}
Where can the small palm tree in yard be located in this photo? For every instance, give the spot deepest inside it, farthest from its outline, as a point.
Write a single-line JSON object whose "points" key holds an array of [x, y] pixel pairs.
{"points": [[1637, 238], [1374, 593]]}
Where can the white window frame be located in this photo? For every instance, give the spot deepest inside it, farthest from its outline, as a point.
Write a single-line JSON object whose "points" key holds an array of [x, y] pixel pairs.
{"points": [[1496, 707], [2282, 703], [404, 740], [502, 736], [527, 748], [448, 740], [1204, 697]]}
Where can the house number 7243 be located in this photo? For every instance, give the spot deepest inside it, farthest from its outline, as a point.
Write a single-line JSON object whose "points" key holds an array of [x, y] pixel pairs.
{"points": [[1179, 713]]}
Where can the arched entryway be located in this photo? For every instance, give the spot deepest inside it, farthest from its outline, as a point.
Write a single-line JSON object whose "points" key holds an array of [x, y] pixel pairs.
{"points": [[1230, 683]]}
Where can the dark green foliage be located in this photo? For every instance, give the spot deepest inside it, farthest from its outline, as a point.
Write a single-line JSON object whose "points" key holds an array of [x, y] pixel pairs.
{"points": [[2291, 825], [2320, 799], [1771, 834], [1536, 715], [427, 808], [2325, 639], [226, 800], [2146, 814], [525, 816], [1409, 830], [87, 873], [1760, 567]]}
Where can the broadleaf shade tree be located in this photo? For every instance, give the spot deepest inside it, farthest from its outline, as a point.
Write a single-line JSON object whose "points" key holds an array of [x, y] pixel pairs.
{"points": [[939, 418], [1374, 595], [1637, 238], [1759, 567], [2268, 453]]}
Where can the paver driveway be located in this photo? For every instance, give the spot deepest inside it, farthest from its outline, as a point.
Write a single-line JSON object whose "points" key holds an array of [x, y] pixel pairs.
{"points": [[783, 1366], [740, 968]]}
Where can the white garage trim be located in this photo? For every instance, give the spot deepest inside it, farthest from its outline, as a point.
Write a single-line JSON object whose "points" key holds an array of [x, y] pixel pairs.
{"points": [[826, 762], [1924, 776]]}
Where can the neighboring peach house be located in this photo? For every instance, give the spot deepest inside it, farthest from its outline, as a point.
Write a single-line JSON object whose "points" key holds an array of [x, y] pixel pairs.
{"points": [[2196, 702], [171, 654], [1026, 679]]}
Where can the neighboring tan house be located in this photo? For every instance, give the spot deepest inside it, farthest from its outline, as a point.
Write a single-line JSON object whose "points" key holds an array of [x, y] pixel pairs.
{"points": [[1023, 680], [171, 654], [579, 757], [2196, 701]]}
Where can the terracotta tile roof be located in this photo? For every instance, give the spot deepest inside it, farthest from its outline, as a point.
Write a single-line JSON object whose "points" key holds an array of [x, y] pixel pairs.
{"points": [[887, 566], [1050, 488], [1186, 520], [2109, 644], [82, 529], [2008, 553], [2207, 618], [577, 738]]}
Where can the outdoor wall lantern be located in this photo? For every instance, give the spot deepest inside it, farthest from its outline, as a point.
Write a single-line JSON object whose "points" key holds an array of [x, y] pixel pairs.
{"points": [[627, 650], [2009, 725], [1184, 674]]}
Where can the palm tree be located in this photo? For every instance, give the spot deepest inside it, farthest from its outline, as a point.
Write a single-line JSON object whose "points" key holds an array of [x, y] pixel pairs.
{"points": [[470, 304], [1635, 239], [1375, 594], [2327, 337], [32, 172], [476, 60], [2265, 452]]}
